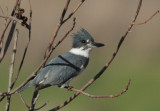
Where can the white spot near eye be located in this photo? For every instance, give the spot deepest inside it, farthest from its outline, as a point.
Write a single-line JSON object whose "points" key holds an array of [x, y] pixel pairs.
{"points": [[87, 40]]}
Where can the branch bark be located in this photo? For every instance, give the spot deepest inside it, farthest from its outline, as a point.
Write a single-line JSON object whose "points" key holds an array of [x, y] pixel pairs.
{"points": [[103, 96], [3, 51], [12, 70]]}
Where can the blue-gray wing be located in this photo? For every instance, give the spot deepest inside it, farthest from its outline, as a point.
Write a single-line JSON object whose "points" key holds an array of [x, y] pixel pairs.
{"points": [[61, 69]]}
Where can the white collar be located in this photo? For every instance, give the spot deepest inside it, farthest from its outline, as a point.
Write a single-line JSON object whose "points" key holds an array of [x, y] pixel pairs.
{"points": [[80, 51]]}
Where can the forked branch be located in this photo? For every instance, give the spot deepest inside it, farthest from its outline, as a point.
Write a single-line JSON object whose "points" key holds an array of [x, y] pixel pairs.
{"points": [[141, 23], [104, 96]]}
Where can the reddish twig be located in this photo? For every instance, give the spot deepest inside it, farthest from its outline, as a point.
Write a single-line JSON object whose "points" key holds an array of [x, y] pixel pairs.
{"points": [[104, 96], [61, 22], [106, 65], [71, 14], [57, 28], [141, 23], [74, 23]]}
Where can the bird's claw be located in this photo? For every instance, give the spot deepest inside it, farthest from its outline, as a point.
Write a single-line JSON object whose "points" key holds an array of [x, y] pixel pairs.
{"points": [[69, 87]]}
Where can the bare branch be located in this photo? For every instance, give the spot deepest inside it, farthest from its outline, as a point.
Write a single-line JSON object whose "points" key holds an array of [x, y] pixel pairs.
{"points": [[60, 24], [34, 99], [4, 94], [141, 23], [12, 70], [17, 4], [64, 11], [41, 106], [74, 22], [3, 32], [57, 28], [10, 35], [26, 48], [11, 18], [74, 11], [104, 96], [2, 98], [106, 65], [24, 102], [1, 10]]}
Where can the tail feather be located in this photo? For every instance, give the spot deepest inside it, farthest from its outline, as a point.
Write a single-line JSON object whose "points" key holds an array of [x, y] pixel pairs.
{"points": [[24, 87]]}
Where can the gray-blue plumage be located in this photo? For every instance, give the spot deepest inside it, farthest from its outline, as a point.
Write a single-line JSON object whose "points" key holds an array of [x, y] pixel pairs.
{"points": [[63, 68]]}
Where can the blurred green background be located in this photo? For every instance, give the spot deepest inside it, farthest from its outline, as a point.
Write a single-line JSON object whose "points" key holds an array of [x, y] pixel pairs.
{"points": [[106, 20]]}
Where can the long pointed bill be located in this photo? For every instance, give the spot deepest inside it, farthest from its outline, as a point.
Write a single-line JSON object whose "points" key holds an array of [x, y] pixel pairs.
{"points": [[98, 44]]}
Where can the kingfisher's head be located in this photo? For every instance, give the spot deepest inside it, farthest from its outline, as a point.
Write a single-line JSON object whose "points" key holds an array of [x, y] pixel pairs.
{"points": [[83, 43]]}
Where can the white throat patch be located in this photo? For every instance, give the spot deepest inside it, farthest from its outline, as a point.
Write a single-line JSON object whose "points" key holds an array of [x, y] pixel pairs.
{"points": [[80, 51]]}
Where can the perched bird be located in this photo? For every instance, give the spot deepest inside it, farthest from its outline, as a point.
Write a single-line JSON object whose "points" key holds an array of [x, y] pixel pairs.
{"points": [[63, 68]]}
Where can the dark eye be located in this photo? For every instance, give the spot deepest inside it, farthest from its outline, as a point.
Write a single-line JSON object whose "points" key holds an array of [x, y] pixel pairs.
{"points": [[83, 41]]}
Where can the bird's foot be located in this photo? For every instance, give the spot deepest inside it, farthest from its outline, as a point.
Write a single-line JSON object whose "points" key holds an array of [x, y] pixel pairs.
{"points": [[69, 87]]}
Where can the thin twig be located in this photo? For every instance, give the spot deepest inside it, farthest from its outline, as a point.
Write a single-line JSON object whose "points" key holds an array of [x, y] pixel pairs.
{"points": [[62, 21], [74, 22], [41, 106], [4, 94], [74, 11], [1, 10], [8, 22], [104, 96], [11, 18], [141, 23], [3, 32], [24, 102], [15, 19], [57, 29], [12, 70], [26, 48], [10, 35], [106, 65], [2, 98], [8, 41], [34, 99]]}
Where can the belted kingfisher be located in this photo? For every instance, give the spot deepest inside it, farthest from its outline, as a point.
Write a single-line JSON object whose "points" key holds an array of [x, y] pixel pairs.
{"points": [[63, 68]]}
